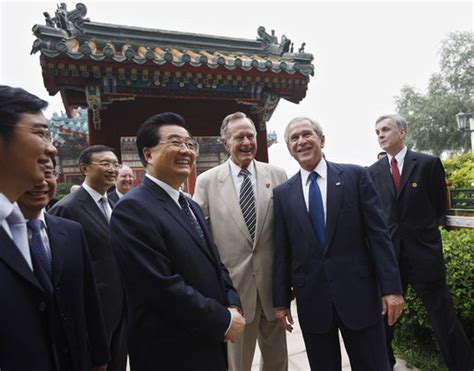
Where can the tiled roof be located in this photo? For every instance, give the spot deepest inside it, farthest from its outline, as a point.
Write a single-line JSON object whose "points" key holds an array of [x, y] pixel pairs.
{"points": [[69, 35]]}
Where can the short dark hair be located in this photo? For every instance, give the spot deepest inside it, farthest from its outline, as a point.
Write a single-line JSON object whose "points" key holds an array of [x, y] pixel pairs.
{"points": [[86, 154], [13, 103], [148, 134]]}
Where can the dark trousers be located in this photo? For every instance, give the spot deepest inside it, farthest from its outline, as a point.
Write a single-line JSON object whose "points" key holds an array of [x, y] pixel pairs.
{"points": [[452, 341], [118, 347], [365, 347]]}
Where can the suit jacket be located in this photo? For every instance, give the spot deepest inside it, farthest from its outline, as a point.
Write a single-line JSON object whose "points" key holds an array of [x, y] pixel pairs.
{"points": [[414, 213], [113, 196], [249, 262], [177, 287], [43, 325], [358, 263], [80, 207]]}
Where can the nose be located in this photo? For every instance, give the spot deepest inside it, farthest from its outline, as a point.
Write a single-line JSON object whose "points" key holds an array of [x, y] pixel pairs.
{"points": [[51, 150]]}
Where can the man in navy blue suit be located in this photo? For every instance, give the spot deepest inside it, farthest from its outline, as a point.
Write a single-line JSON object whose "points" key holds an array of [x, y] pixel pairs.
{"points": [[72, 319], [182, 305], [333, 248]]}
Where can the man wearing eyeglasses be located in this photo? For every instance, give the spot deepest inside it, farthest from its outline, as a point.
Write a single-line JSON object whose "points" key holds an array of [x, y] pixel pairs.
{"points": [[90, 207], [62, 265], [25, 149], [182, 304]]}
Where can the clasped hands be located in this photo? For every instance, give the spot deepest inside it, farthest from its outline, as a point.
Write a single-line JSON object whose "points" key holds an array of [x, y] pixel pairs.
{"points": [[236, 327]]}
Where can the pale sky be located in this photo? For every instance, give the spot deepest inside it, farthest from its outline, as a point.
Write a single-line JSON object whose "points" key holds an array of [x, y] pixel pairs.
{"points": [[364, 53]]}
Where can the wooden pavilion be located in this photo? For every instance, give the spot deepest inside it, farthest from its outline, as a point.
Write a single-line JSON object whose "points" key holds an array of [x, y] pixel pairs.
{"points": [[123, 75]]}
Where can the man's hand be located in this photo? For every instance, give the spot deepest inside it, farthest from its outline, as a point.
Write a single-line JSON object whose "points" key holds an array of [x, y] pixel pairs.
{"points": [[236, 327], [392, 306], [283, 316], [99, 368]]}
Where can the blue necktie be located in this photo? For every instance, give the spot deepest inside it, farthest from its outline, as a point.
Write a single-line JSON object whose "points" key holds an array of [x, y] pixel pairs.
{"points": [[192, 220], [316, 209], [37, 247]]}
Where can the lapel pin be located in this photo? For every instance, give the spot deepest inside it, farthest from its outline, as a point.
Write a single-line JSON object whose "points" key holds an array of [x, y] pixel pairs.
{"points": [[414, 184], [338, 183], [267, 185]]}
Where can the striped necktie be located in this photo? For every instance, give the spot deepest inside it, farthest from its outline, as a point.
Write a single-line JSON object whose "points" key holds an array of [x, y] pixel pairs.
{"points": [[247, 202]]}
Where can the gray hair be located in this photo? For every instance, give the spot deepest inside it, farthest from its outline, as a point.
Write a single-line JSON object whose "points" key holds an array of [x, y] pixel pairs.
{"points": [[396, 119], [314, 124], [232, 117]]}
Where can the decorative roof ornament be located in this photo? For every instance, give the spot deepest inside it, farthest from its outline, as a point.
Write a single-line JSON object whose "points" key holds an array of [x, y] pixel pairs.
{"points": [[270, 42], [72, 22]]}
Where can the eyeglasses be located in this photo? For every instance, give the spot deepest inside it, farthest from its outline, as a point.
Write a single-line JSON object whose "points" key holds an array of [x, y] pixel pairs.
{"points": [[178, 142], [43, 133], [51, 175], [107, 165]]}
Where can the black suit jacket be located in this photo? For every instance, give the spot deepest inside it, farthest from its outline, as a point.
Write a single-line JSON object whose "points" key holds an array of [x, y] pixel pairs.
{"points": [[80, 207], [113, 196], [358, 263], [177, 287], [415, 212], [60, 323]]}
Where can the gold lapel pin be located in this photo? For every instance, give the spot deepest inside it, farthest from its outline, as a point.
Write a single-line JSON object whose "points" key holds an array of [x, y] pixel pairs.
{"points": [[414, 184]]}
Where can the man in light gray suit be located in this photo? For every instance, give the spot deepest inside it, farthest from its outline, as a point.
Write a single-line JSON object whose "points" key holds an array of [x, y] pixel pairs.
{"points": [[236, 197]]}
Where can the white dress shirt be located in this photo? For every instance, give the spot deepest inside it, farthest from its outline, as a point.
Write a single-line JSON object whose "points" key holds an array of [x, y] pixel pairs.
{"points": [[96, 196], [322, 180]]}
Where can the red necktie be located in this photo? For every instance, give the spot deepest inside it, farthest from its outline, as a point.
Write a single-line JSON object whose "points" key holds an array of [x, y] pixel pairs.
{"points": [[395, 173]]}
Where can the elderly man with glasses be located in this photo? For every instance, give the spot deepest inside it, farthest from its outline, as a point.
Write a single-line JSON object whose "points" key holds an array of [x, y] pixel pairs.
{"points": [[90, 207]]}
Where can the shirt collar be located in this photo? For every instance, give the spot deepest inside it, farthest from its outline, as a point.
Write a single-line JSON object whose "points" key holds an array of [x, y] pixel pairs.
{"points": [[235, 169], [42, 218], [6, 207], [119, 194], [400, 156], [173, 193], [321, 168], [96, 196]]}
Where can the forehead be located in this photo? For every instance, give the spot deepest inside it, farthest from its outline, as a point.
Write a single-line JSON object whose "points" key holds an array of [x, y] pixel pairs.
{"points": [[104, 156], [167, 131], [126, 171], [300, 126], [32, 119], [386, 123], [240, 125]]}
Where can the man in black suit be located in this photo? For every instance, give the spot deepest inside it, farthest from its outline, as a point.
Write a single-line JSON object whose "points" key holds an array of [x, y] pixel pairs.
{"points": [[89, 206], [182, 305], [123, 184], [333, 248], [25, 149], [73, 318], [412, 189]]}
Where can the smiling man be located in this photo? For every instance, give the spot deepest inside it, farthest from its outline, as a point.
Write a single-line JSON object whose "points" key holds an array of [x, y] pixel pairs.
{"points": [[90, 207], [333, 247], [74, 327], [182, 305], [123, 184], [25, 151], [237, 198]]}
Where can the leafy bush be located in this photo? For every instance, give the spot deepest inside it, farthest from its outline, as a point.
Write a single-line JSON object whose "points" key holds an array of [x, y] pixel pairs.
{"points": [[460, 170], [413, 337]]}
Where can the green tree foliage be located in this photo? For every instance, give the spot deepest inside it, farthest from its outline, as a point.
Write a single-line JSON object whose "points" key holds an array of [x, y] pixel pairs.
{"points": [[460, 170], [431, 116]]}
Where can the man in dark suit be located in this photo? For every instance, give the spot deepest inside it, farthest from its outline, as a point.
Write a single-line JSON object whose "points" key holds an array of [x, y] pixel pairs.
{"points": [[25, 149], [123, 184], [181, 302], [72, 316], [412, 189], [332, 246], [89, 206]]}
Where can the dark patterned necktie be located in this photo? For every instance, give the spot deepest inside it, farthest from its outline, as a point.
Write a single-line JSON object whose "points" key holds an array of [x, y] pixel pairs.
{"points": [[37, 247], [316, 209], [247, 202], [395, 173], [192, 220]]}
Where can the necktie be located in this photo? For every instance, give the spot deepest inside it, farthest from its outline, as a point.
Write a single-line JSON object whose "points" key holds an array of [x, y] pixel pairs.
{"points": [[37, 247], [104, 207], [17, 224], [395, 173], [316, 209], [187, 211], [247, 202]]}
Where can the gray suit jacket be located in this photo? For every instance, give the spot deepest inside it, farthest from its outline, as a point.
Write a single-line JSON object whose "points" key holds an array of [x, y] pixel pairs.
{"points": [[249, 262]]}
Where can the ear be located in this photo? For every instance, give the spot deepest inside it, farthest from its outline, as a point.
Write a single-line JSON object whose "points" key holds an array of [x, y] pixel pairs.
{"points": [[147, 154], [224, 143], [83, 168], [323, 140]]}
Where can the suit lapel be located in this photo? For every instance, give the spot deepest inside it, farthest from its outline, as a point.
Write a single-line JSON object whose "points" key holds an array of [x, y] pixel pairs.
{"points": [[335, 187], [230, 200], [409, 164], [57, 243], [264, 195], [10, 254], [386, 175], [90, 207]]}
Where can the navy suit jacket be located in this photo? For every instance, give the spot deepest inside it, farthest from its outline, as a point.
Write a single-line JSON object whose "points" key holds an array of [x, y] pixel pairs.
{"points": [[416, 211], [113, 196], [41, 325], [358, 263], [80, 207], [177, 288]]}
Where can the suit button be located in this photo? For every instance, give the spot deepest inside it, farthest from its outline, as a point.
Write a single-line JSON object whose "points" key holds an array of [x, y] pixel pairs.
{"points": [[42, 306]]}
